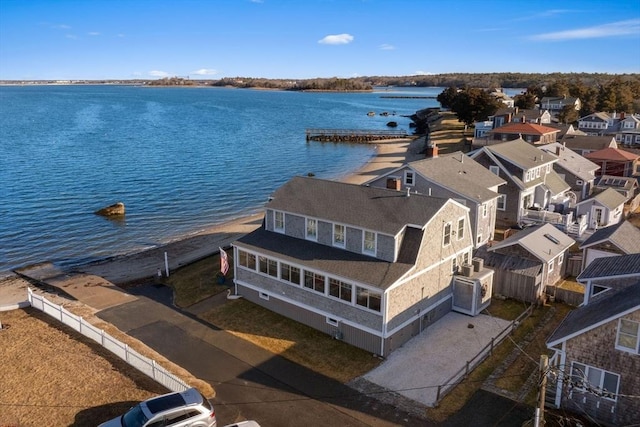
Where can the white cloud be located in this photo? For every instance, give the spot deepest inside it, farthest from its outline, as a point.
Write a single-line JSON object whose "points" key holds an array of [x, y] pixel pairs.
{"points": [[205, 72], [257, 1], [61, 27], [386, 46], [71, 36], [544, 14], [614, 29], [156, 73], [93, 33], [336, 39], [120, 35], [423, 73]]}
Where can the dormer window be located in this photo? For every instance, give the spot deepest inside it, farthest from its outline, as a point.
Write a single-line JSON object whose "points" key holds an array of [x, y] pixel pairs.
{"points": [[312, 229], [409, 178], [369, 243], [338, 235], [278, 221]]}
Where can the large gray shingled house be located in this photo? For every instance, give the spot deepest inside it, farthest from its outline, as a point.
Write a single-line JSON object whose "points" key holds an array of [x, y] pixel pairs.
{"points": [[370, 266], [455, 176]]}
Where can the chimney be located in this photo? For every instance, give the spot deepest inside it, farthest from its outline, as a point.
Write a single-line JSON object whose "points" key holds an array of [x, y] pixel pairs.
{"points": [[558, 149], [524, 119], [622, 115], [432, 150]]}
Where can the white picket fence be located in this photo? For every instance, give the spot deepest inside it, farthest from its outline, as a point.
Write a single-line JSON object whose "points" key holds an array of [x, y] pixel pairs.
{"points": [[123, 351]]}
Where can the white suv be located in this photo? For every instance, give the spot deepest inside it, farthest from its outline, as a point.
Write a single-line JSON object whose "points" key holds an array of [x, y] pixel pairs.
{"points": [[188, 408]]}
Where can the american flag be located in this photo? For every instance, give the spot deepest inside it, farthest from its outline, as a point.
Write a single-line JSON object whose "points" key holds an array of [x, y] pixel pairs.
{"points": [[224, 261]]}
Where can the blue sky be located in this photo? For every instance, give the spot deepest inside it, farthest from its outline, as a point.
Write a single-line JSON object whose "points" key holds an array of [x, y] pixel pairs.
{"points": [[211, 39]]}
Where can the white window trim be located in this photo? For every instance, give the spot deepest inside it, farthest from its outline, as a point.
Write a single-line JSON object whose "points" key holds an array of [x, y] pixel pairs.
{"points": [[588, 368], [444, 234], [375, 243], [561, 258], [306, 229], [623, 348], [550, 266], [485, 210], [494, 170], [408, 174], [458, 234], [333, 322], [502, 197], [275, 222], [344, 235]]}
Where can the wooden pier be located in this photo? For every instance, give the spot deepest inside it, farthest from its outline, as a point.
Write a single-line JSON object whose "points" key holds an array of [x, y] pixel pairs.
{"points": [[353, 135]]}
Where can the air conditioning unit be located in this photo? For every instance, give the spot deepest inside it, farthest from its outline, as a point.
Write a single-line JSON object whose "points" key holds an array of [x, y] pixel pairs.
{"points": [[467, 270], [478, 264]]}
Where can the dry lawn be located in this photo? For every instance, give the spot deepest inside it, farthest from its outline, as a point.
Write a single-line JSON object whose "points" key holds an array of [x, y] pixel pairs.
{"points": [[52, 375], [449, 135], [292, 340]]}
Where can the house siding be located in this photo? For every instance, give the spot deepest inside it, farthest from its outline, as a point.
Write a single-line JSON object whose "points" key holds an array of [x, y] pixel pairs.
{"points": [[408, 300], [348, 333], [480, 225], [597, 348], [321, 302]]}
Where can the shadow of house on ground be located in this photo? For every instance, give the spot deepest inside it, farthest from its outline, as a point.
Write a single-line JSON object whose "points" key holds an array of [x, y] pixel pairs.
{"points": [[93, 416]]}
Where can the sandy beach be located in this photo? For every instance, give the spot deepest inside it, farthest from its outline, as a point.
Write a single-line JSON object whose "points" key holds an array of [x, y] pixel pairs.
{"points": [[128, 268]]}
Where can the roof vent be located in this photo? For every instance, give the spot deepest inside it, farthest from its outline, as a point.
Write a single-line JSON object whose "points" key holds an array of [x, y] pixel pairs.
{"points": [[553, 239]]}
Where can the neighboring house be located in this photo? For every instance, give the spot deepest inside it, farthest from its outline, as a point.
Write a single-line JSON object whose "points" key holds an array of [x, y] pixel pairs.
{"points": [[370, 266], [528, 262], [564, 129], [530, 132], [599, 123], [596, 357], [503, 97], [616, 162], [587, 144], [628, 131], [454, 176], [520, 115], [531, 180], [574, 169], [555, 104], [603, 209], [627, 186], [619, 239]]}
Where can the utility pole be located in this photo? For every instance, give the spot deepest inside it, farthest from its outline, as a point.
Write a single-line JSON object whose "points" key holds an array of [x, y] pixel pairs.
{"points": [[539, 414]]}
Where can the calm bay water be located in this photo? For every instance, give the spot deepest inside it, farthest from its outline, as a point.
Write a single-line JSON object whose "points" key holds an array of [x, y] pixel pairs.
{"points": [[181, 159]]}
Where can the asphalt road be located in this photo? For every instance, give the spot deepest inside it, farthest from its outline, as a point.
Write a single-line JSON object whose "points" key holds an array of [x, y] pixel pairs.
{"points": [[250, 383]]}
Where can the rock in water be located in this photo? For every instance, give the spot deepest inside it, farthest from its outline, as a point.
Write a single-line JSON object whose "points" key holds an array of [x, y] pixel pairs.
{"points": [[116, 209], [392, 124]]}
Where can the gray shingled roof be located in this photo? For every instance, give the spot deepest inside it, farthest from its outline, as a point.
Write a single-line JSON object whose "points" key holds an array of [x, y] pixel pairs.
{"points": [[625, 236], [523, 266], [555, 183], [588, 142], [378, 209], [461, 174], [591, 315], [610, 198], [622, 265], [572, 161], [536, 241], [349, 265], [521, 154]]}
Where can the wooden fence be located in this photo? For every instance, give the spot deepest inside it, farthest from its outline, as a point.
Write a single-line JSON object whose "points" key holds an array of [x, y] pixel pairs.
{"points": [[486, 351], [123, 351]]}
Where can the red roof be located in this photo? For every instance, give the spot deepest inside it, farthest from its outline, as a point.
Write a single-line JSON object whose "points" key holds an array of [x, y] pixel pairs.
{"points": [[524, 129], [612, 154]]}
